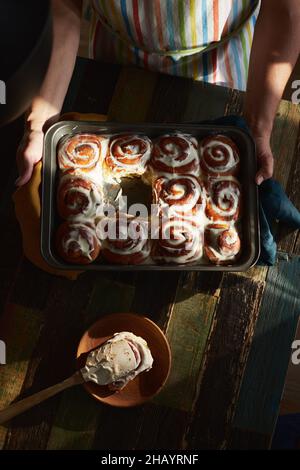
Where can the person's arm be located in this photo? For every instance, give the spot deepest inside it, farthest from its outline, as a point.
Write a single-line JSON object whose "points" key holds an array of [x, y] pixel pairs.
{"points": [[46, 107], [275, 50]]}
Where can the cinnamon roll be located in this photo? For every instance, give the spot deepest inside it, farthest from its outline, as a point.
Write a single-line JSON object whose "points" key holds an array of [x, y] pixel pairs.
{"points": [[128, 155], [77, 243], [219, 156], [182, 196], [124, 240], [180, 242], [175, 154], [221, 243], [224, 199], [81, 152], [78, 196]]}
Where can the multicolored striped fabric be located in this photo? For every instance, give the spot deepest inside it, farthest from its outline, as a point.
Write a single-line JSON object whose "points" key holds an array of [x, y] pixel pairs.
{"points": [[167, 35]]}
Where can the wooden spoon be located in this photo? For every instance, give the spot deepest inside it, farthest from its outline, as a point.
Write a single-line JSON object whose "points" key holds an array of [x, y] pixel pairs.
{"points": [[20, 406]]}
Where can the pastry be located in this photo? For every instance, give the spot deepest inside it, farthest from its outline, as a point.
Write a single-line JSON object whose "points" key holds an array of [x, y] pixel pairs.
{"points": [[224, 199], [221, 243], [77, 243], [78, 197], [175, 154], [124, 239], [194, 191], [127, 155], [118, 361], [180, 242], [219, 156], [81, 152], [180, 196]]}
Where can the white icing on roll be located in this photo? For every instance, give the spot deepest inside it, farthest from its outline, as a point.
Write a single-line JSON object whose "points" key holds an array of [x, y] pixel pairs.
{"points": [[213, 241], [185, 245], [118, 361], [125, 238], [93, 196], [225, 201], [218, 156], [171, 155], [85, 244], [125, 150], [72, 150], [170, 194]]}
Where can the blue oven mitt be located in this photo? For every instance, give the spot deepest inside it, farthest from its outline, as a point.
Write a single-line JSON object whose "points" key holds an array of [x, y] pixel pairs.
{"points": [[273, 203]]}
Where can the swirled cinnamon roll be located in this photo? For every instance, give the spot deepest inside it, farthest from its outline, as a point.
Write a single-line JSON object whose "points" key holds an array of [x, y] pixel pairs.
{"points": [[180, 242], [221, 243], [77, 243], [224, 199], [124, 239], [80, 152], [127, 155], [175, 154], [78, 196], [219, 156], [181, 196]]}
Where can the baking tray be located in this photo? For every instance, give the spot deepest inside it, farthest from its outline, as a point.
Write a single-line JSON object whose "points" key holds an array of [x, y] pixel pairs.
{"points": [[250, 220]]}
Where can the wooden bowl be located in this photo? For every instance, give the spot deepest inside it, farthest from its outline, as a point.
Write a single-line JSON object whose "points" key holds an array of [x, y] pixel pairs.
{"points": [[145, 385]]}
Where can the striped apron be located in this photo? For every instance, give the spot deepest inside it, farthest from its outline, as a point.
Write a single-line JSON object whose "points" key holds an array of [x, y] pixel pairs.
{"points": [[207, 40]]}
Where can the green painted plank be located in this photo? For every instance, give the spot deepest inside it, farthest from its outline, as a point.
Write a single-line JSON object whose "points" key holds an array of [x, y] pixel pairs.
{"points": [[19, 329], [108, 297], [265, 373], [187, 332], [153, 300], [77, 416], [75, 421], [224, 361]]}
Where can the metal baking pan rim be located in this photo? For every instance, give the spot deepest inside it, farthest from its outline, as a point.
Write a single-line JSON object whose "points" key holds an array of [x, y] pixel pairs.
{"points": [[89, 126]]}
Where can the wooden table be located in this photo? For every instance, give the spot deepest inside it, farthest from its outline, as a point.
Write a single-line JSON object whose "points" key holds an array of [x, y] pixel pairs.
{"points": [[230, 334]]}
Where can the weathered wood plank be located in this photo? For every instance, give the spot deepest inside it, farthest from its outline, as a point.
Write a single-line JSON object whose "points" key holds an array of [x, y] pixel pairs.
{"points": [[154, 295], [241, 439], [283, 140], [118, 428], [235, 102], [288, 238], [146, 301], [265, 373], [205, 101], [93, 90], [290, 401], [257, 273], [162, 428], [75, 422], [187, 330], [224, 362], [284, 135], [31, 287], [77, 415], [176, 99], [53, 359], [19, 329], [132, 95], [297, 244], [107, 296]]}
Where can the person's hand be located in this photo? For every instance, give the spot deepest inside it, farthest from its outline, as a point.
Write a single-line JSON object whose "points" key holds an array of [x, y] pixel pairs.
{"points": [[30, 152], [265, 159]]}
